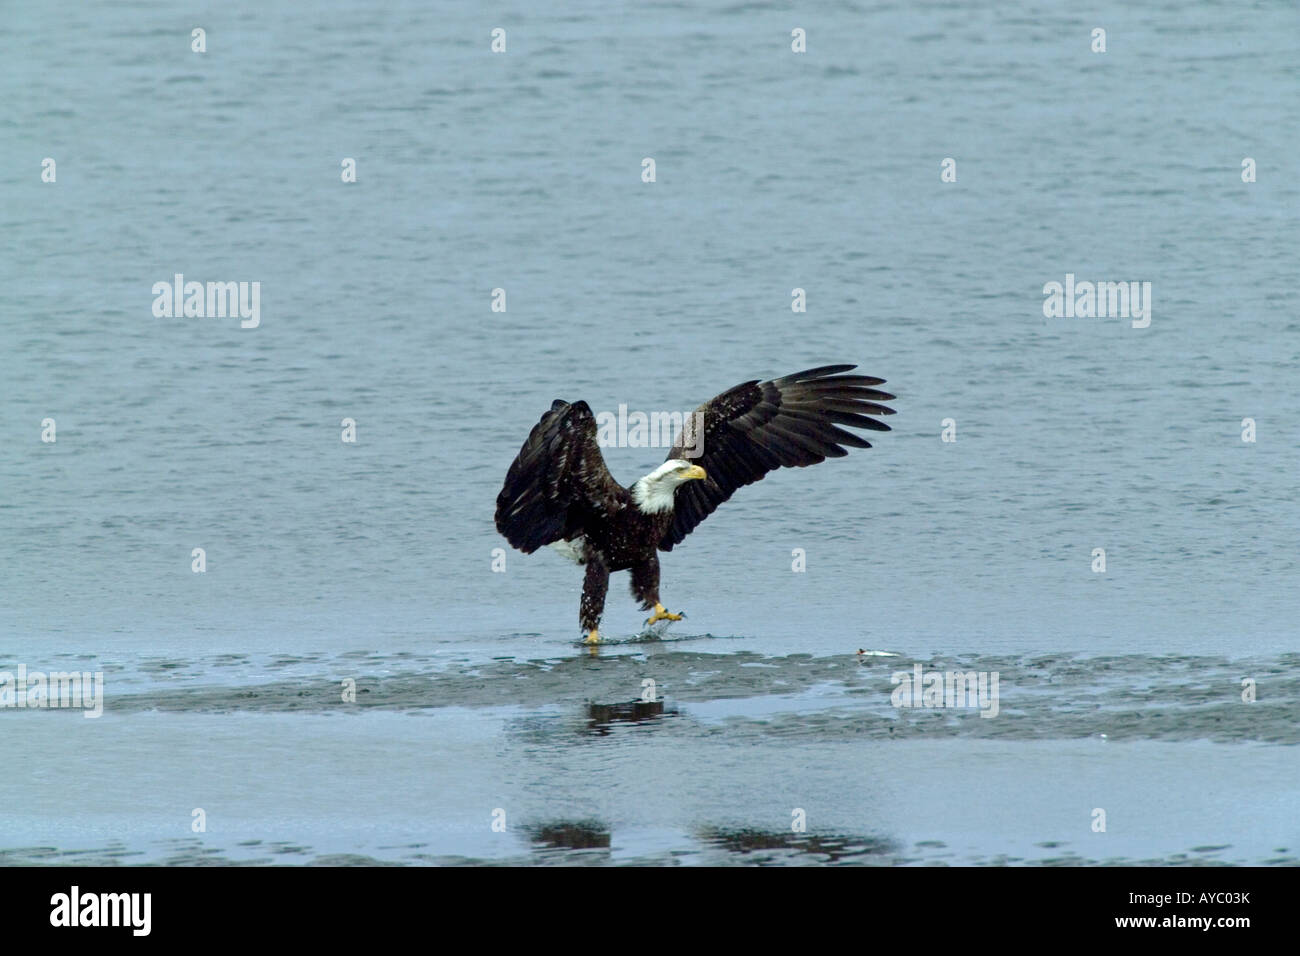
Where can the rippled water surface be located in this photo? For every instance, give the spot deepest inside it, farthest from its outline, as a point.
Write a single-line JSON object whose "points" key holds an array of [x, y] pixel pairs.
{"points": [[372, 562]]}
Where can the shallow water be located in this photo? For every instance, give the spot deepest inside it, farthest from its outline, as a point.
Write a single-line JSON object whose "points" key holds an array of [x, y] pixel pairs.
{"points": [[412, 771], [373, 561]]}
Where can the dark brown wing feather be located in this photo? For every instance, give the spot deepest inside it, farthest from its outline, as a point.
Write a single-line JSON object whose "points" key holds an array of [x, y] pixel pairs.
{"points": [[758, 427], [558, 482]]}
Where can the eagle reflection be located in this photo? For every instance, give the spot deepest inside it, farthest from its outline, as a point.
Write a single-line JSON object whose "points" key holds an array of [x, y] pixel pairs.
{"points": [[570, 835], [601, 716]]}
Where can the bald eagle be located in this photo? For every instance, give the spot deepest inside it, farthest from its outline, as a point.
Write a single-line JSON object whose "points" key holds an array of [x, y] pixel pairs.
{"points": [[558, 491]]}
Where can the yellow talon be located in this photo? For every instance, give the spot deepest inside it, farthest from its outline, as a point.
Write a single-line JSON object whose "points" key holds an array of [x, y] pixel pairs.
{"points": [[662, 614], [593, 637]]}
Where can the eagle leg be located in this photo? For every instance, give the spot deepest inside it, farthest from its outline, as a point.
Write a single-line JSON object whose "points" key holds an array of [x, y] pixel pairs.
{"points": [[662, 614], [645, 588], [594, 588]]}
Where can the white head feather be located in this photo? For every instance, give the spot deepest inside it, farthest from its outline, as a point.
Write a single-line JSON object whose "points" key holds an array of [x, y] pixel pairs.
{"points": [[654, 492]]}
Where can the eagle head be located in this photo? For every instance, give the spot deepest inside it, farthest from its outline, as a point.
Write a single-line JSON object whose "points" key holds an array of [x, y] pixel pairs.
{"points": [[654, 492]]}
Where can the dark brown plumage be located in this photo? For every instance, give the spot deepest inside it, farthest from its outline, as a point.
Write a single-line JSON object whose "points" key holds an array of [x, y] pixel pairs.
{"points": [[558, 483], [757, 427], [559, 491]]}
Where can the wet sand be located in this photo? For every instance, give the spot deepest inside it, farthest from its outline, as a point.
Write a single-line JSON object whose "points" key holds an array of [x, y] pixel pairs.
{"points": [[715, 771]]}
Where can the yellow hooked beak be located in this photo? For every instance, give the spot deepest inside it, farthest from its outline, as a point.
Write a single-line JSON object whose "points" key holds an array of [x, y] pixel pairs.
{"points": [[695, 471]]}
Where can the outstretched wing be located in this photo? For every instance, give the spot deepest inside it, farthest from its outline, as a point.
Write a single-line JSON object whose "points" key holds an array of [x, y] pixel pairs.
{"points": [[758, 427], [558, 482]]}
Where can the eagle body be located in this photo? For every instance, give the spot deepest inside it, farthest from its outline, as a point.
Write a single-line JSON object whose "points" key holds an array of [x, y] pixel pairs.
{"points": [[626, 540], [558, 491]]}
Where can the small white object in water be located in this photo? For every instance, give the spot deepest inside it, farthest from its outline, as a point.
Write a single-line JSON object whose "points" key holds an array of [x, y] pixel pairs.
{"points": [[862, 653]]}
